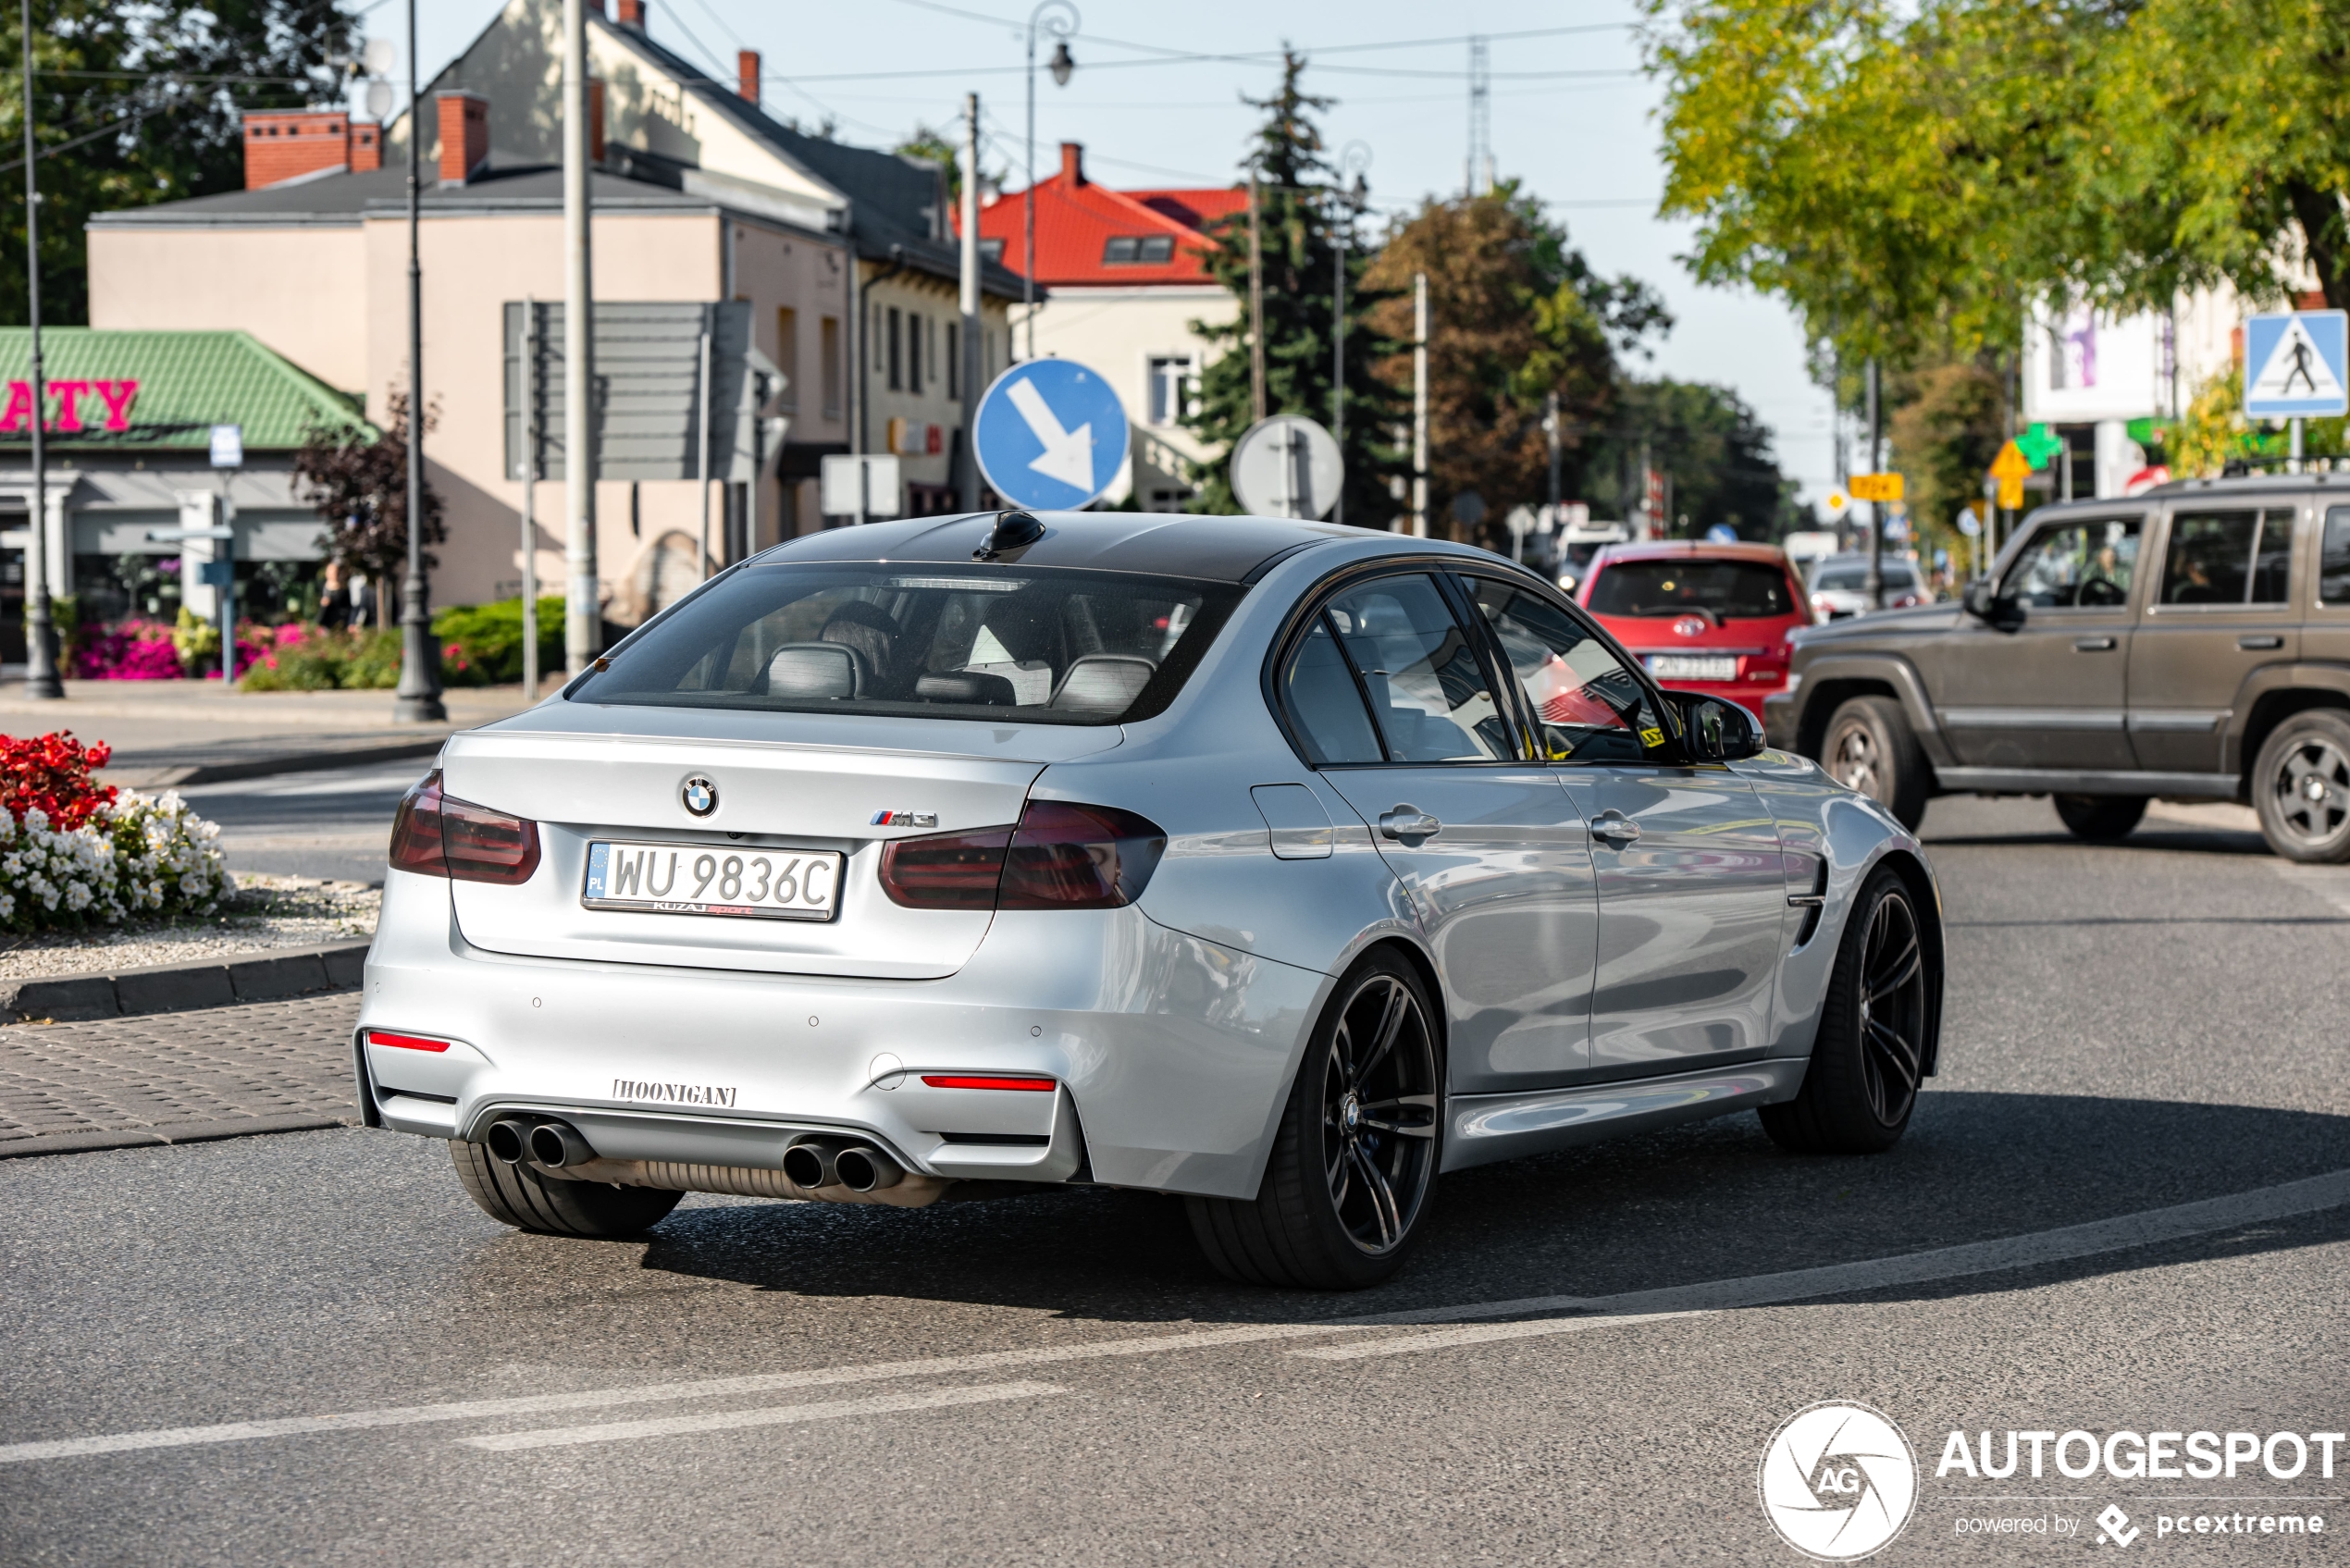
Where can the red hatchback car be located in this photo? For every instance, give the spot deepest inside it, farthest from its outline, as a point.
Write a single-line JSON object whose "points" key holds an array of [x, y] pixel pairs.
{"points": [[1711, 618]]}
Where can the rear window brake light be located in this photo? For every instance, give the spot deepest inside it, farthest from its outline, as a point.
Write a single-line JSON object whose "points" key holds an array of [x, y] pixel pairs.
{"points": [[405, 1042], [970, 1080]]}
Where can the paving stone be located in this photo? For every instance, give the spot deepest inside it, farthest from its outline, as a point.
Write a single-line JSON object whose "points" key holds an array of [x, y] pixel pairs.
{"points": [[176, 1078]]}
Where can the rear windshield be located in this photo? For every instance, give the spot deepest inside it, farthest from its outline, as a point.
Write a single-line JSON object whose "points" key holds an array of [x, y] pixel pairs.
{"points": [[1853, 579], [1037, 646], [1730, 589]]}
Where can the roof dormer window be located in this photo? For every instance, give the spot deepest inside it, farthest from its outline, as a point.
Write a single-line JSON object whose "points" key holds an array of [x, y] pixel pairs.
{"points": [[1138, 249]]}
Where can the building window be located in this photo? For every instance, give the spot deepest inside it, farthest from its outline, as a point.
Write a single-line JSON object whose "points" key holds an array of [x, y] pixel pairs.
{"points": [[1172, 388], [930, 329], [788, 355], [954, 359], [828, 333], [1138, 249], [914, 353], [992, 252], [897, 349]]}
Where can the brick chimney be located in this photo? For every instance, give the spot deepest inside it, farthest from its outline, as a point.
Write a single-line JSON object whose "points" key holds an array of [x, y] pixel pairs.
{"points": [[464, 135], [367, 146], [632, 14], [747, 75], [1073, 162], [284, 145]]}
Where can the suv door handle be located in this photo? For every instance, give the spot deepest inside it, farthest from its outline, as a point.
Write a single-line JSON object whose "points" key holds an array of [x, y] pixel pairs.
{"points": [[2250, 643], [1408, 822], [1615, 827], [2092, 645]]}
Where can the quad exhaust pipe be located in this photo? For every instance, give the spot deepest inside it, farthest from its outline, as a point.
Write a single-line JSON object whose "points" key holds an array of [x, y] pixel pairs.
{"points": [[513, 1140], [810, 1166], [814, 1163]]}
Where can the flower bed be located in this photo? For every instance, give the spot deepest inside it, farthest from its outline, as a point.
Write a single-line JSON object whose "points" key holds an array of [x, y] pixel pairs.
{"points": [[74, 852]]}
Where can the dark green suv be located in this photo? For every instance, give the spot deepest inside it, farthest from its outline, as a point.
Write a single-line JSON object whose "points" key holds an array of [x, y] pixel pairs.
{"points": [[2192, 643]]}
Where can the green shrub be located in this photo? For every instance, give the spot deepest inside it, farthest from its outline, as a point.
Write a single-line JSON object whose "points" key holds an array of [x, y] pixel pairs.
{"points": [[481, 644]]}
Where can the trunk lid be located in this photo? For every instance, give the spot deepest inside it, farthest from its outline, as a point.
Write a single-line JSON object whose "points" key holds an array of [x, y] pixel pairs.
{"points": [[786, 783]]}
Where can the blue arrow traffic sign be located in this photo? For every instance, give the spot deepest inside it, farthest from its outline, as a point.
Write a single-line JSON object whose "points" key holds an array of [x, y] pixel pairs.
{"points": [[2297, 366], [1050, 434]]}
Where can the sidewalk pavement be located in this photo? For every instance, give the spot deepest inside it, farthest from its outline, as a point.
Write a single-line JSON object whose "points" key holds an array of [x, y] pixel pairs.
{"points": [[182, 1078], [171, 732]]}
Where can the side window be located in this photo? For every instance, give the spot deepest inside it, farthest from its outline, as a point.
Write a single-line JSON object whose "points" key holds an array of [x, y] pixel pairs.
{"points": [[2229, 557], [1427, 691], [1324, 702], [2077, 565], [2333, 559], [1591, 707]]}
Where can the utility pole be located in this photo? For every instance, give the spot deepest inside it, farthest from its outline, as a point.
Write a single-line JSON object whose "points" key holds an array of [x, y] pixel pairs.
{"points": [[1338, 366], [1875, 583], [583, 616], [1553, 433], [701, 433], [530, 500], [969, 498], [41, 678], [418, 698], [1419, 405], [1255, 303]]}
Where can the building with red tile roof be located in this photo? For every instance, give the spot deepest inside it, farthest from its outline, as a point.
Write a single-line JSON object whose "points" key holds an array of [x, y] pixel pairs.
{"points": [[1126, 275]]}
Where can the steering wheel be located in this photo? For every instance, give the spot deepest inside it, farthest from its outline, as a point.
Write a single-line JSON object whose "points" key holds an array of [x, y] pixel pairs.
{"points": [[2102, 591]]}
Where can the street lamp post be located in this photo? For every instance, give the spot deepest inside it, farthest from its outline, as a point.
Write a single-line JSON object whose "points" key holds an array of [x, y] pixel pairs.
{"points": [[40, 638], [419, 694], [1059, 21]]}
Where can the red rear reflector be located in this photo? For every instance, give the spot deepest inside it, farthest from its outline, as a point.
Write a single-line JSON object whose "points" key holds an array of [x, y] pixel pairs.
{"points": [[957, 1081], [405, 1042]]}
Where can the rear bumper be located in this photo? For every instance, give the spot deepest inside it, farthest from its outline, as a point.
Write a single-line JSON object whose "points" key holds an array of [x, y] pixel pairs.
{"points": [[1173, 1055]]}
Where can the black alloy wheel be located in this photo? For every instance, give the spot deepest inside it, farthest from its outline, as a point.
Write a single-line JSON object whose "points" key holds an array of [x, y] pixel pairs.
{"points": [[1875, 1036], [1353, 1170], [2301, 787]]}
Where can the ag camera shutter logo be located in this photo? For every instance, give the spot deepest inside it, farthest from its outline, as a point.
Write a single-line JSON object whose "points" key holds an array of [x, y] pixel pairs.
{"points": [[1838, 1481]]}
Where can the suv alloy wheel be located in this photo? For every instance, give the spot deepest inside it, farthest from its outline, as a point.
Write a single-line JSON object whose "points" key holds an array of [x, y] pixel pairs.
{"points": [[1870, 748], [2301, 787]]}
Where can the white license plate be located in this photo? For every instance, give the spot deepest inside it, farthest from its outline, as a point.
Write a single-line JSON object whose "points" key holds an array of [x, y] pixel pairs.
{"points": [[1692, 667], [695, 879]]}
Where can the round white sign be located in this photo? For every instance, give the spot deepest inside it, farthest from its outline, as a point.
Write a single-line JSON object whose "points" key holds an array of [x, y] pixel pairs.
{"points": [[1838, 1481], [1287, 466]]}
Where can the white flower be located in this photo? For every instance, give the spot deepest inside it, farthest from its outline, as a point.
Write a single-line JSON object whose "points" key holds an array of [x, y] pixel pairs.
{"points": [[76, 897], [7, 905]]}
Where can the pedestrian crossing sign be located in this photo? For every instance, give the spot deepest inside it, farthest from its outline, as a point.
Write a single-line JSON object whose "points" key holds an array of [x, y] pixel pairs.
{"points": [[2297, 366]]}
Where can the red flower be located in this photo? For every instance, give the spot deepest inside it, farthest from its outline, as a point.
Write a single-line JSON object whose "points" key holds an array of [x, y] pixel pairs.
{"points": [[51, 773]]}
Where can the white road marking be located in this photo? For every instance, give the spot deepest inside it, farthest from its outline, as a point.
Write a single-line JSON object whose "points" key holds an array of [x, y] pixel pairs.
{"points": [[2307, 1196], [770, 1415], [2144, 1228]]}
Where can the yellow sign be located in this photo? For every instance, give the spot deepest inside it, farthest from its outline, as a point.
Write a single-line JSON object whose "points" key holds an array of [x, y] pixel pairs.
{"points": [[2009, 467], [2011, 493], [1838, 503], [1877, 486]]}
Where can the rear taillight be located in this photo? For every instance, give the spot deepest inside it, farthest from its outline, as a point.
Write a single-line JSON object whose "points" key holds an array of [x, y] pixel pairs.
{"points": [[1060, 857], [442, 836]]}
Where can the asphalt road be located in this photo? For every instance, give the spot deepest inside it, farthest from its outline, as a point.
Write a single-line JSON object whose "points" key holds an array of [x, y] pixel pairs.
{"points": [[332, 824], [2151, 1029]]}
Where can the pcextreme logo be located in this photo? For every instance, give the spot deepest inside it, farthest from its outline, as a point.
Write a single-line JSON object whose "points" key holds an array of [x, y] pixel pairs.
{"points": [[1838, 1481]]}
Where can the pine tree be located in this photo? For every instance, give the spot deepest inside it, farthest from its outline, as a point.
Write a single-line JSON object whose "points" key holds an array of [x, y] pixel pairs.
{"points": [[1303, 212]]}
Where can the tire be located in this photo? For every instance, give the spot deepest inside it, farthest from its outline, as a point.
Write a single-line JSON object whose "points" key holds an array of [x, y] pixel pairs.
{"points": [[1345, 1193], [1870, 747], [519, 1196], [2101, 819], [1863, 1082], [2301, 787]]}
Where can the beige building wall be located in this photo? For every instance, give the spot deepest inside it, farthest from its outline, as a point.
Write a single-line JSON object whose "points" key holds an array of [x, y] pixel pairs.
{"points": [[1119, 332], [293, 287], [927, 304]]}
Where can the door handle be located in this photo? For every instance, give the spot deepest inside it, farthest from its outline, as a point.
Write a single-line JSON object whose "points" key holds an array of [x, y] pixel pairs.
{"points": [[1408, 822], [2252, 643], [2092, 645], [1615, 827]]}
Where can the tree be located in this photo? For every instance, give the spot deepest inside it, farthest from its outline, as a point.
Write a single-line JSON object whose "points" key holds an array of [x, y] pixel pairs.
{"points": [[1949, 422], [358, 479], [135, 104], [1515, 314], [1302, 213], [1714, 451], [944, 148]]}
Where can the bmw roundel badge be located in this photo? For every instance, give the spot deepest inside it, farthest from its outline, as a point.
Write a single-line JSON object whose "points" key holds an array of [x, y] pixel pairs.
{"points": [[700, 795]]}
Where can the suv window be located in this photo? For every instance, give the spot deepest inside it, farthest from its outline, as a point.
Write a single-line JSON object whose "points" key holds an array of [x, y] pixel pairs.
{"points": [[1426, 688], [2085, 566], [2234, 557], [2333, 558], [1592, 708]]}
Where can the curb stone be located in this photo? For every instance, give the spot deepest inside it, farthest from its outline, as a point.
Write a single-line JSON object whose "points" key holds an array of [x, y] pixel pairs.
{"points": [[155, 1137], [177, 988]]}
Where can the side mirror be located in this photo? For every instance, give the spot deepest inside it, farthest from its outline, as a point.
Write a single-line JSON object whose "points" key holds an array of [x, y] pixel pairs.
{"points": [[1982, 601], [1716, 730]]}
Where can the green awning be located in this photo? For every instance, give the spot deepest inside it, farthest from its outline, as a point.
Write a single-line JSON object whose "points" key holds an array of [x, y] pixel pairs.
{"points": [[185, 384]]}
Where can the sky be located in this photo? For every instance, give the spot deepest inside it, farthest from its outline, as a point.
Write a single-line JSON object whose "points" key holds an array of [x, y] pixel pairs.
{"points": [[1572, 118]]}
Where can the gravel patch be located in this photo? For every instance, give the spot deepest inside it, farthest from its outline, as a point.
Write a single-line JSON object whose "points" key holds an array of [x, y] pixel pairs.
{"points": [[266, 912]]}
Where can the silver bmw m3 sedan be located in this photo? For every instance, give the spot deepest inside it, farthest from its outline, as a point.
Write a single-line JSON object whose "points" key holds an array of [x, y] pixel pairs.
{"points": [[1280, 866]]}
